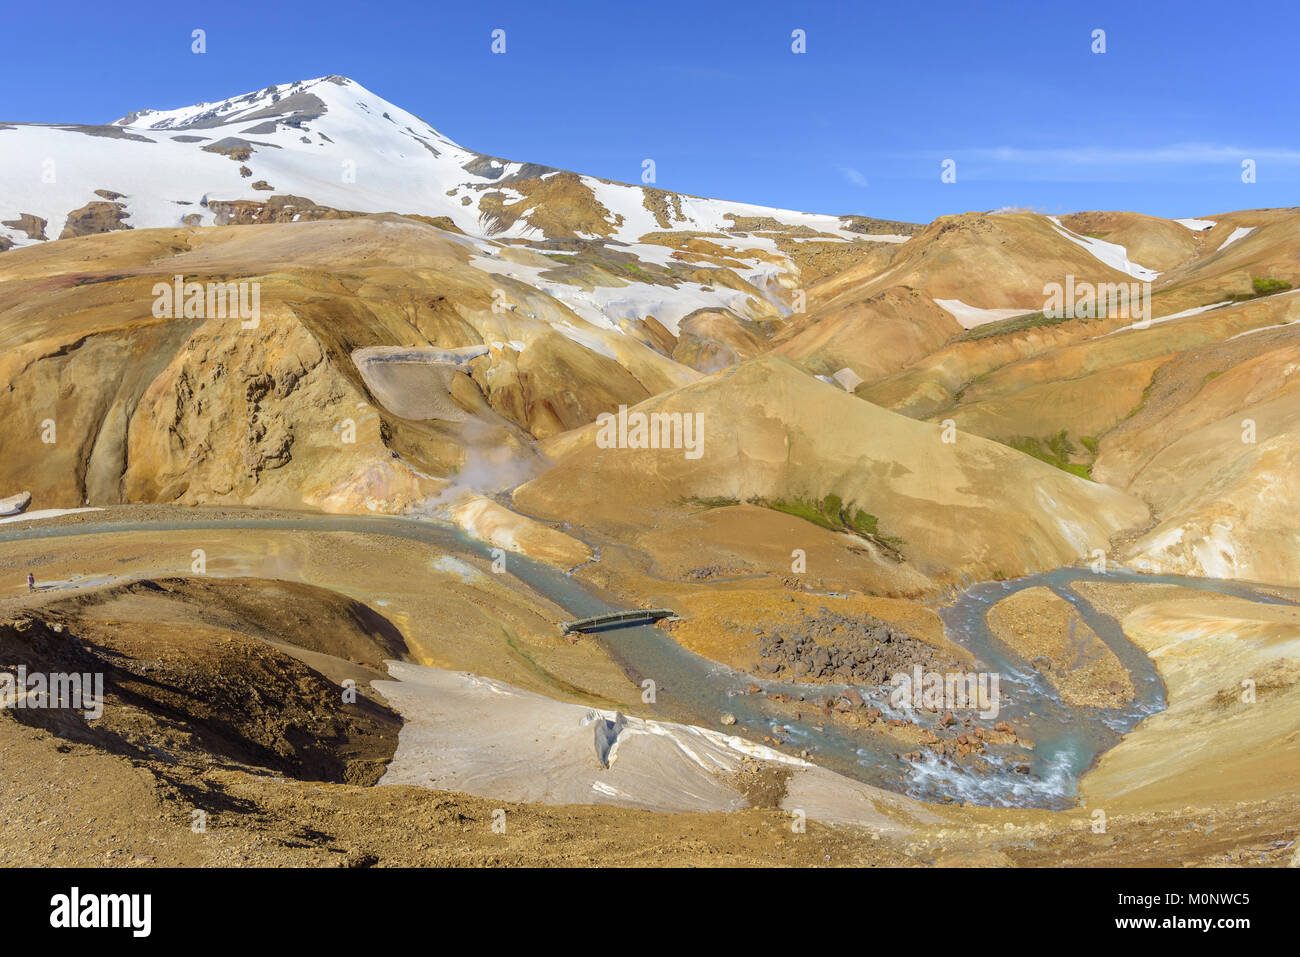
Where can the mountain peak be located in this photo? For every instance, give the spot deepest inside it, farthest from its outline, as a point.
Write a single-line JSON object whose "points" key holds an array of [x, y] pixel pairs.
{"points": [[326, 146], [268, 101]]}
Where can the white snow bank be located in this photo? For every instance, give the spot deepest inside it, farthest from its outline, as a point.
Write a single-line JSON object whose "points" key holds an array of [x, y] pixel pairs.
{"points": [[1112, 254], [463, 732], [1175, 315], [1239, 233], [46, 513], [972, 316]]}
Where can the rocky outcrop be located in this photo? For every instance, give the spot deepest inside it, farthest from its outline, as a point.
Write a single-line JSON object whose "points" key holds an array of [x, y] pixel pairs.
{"points": [[232, 146], [97, 217], [276, 209], [28, 223], [231, 408]]}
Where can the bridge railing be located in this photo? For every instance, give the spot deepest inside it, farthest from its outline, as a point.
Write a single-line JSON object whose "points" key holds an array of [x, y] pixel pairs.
{"points": [[617, 618]]}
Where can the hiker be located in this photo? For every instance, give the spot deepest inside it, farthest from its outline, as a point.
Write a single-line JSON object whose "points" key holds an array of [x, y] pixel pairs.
{"points": [[31, 582]]}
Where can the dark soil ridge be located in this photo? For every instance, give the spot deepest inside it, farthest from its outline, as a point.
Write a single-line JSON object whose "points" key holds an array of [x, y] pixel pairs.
{"points": [[201, 672]]}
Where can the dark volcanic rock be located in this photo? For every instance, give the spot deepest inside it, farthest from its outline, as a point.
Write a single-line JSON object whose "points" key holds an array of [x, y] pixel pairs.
{"points": [[834, 647]]}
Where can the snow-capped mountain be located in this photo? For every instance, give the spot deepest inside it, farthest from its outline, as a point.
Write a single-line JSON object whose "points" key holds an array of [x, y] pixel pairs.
{"points": [[329, 141]]}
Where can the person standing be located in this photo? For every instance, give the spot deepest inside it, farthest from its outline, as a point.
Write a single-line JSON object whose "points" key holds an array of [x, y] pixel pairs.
{"points": [[31, 582]]}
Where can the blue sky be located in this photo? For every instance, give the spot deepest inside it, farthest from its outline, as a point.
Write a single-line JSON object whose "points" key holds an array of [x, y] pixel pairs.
{"points": [[860, 123]]}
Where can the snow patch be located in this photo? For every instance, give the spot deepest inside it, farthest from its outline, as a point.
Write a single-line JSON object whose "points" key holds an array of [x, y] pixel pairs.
{"points": [[1112, 254], [971, 316], [1176, 315], [1239, 233], [46, 513]]}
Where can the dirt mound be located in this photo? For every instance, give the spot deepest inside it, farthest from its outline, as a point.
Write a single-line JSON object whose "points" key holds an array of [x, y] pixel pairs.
{"points": [[284, 613], [235, 673]]}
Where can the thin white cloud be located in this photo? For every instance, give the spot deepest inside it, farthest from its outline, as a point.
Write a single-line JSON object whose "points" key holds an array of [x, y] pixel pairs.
{"points": [[852, 175], [1178, 153]]}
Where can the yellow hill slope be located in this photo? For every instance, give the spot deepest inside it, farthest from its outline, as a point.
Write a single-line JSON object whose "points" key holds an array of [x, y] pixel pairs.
{"points": [[771, 433]]}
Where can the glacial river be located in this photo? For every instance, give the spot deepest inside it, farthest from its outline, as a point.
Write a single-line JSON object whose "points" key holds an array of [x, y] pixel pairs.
{"points": [[693, 689]]}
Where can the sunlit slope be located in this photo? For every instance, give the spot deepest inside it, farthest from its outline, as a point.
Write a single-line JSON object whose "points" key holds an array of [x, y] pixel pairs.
{"points": [[1216, 451], [989, 261], [148, 408], [1229, 732], [1161, 244], [872, 335], [773, 433], [1191, 412]]}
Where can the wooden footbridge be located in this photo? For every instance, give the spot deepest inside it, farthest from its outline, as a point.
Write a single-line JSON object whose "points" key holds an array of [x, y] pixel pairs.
{"points": [[614, 619]]}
